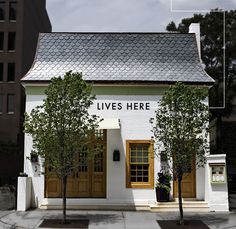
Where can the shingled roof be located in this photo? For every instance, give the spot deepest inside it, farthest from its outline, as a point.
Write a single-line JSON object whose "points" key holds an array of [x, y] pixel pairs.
{"points": [[119, 57]]}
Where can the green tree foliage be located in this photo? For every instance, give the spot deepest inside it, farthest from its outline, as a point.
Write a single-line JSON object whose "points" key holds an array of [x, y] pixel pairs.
{"points": [[62, 126], [212, 52], [171, 27], [180, 128]]}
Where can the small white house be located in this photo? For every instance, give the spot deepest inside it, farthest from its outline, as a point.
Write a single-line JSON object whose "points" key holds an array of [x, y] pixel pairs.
{"points": [[129, 73]]}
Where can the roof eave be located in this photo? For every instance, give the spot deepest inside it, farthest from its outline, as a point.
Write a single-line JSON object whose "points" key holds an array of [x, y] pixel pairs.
{"points": [[123, 82]]}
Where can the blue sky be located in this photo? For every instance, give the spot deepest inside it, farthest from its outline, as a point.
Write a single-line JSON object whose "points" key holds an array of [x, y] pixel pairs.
{"points": [[124, 15]]}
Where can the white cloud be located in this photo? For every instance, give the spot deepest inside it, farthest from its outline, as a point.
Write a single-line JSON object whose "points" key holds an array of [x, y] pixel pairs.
{"points": [[203, 4], [115, 15]]}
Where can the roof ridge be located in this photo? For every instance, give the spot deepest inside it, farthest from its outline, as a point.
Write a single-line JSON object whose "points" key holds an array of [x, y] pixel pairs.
{"points": [[126, 33]]}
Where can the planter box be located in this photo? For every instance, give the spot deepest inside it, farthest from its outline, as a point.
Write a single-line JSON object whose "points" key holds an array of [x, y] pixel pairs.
{"points": [[162, 195]]}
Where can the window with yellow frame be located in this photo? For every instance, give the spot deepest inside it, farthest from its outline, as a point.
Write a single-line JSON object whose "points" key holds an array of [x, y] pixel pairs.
{"points": [[139, 164]]}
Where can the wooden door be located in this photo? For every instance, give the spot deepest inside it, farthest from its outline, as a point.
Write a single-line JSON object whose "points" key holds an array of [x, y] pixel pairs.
{"points": [[188, 184], [89, 180]]}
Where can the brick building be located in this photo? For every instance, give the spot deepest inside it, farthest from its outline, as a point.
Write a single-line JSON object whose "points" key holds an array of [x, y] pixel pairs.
{"points": [[20, 23]]}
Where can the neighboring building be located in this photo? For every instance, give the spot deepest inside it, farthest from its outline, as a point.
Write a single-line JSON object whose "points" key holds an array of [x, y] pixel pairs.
{"points": [[223, 141], [129, 73], [20, 23]]}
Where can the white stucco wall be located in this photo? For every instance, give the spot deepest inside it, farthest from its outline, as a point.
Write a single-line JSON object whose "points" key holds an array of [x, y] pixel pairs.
{"points": [[134, 126]]}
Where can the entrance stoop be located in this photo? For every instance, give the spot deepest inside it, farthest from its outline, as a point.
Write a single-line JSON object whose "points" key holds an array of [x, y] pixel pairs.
{"points": [[188, 206], [111, 207]]}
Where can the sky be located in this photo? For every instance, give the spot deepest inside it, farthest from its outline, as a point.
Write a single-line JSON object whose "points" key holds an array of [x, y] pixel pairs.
{"points": [[125, 15]]}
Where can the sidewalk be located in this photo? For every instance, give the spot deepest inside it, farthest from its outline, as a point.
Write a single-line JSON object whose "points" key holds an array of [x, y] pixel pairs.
{"points": [[113, 219]]}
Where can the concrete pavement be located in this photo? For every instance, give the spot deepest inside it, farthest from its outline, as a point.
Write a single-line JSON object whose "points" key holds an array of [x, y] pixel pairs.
{"points": [[113, 219]]}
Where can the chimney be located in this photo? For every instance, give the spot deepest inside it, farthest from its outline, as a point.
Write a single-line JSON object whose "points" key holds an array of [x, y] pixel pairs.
{"points": [[195, 28]]}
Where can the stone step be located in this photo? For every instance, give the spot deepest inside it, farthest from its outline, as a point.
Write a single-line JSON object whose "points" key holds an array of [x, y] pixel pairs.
{"points": [[194, 206], [232, 201], [96, 207], [189, 203], [232, 197]]}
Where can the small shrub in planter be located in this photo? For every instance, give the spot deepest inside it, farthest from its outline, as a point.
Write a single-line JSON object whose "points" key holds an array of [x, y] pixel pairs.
{"points": [[163, 187]]}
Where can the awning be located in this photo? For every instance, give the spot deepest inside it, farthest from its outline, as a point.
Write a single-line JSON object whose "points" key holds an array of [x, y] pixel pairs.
{"points": [[109, 123]]}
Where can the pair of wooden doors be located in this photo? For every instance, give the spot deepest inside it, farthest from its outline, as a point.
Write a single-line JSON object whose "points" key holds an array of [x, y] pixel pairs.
{"points": [[88, 181]]}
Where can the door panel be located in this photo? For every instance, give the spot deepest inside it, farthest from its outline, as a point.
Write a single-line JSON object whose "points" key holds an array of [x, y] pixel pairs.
{"points": [[53, 187]]}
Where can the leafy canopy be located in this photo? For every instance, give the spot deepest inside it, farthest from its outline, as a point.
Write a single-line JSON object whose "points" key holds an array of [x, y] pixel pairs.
{"points": [[62, 126], [180, 126], [212, 42]]}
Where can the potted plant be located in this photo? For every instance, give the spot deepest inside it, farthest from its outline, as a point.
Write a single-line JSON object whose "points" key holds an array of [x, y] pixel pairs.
{"points": [[163, 187]]}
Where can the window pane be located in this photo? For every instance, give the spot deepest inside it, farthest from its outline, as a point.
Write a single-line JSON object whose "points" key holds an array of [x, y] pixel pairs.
{"points": [[99, 134], [1, 40], [11, 72], [139, 173], [11, 41], [10, 103], [139, 153], [1, 71], [1, 103], [83, 161], [139, 162], [12, 13], [2, 11]]}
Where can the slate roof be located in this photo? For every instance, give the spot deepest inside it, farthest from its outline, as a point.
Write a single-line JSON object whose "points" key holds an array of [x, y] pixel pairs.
{"points": [[143, 57]]}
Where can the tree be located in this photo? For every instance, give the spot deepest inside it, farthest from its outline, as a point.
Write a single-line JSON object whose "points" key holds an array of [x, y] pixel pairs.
{"points": [[62, 126], [171, 27], [212, 53], [180, 129]]}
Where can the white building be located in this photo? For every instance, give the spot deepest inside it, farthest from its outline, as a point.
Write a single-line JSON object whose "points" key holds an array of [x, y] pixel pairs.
{"points": [[129, 73]]}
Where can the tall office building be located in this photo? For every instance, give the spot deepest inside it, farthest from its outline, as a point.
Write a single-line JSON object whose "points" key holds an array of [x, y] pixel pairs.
{"points": [[20, 23]]}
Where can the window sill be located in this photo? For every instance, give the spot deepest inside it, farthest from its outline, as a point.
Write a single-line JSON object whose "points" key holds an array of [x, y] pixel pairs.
{"points": [[140, 186], [12, 21], [11, 51], [10, 113]]}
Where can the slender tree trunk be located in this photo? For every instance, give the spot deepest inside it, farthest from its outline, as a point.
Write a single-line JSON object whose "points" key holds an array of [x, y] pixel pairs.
{"points": [[64, 181], [181, 218]]}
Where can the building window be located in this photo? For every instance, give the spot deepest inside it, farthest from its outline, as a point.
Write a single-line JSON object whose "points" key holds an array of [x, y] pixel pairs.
{"points": [[11, 41], [2, 11], [1, 72], [1, 103], [10, 103], [12, 13], [1, 41], [11, 72], [139, 164]]}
